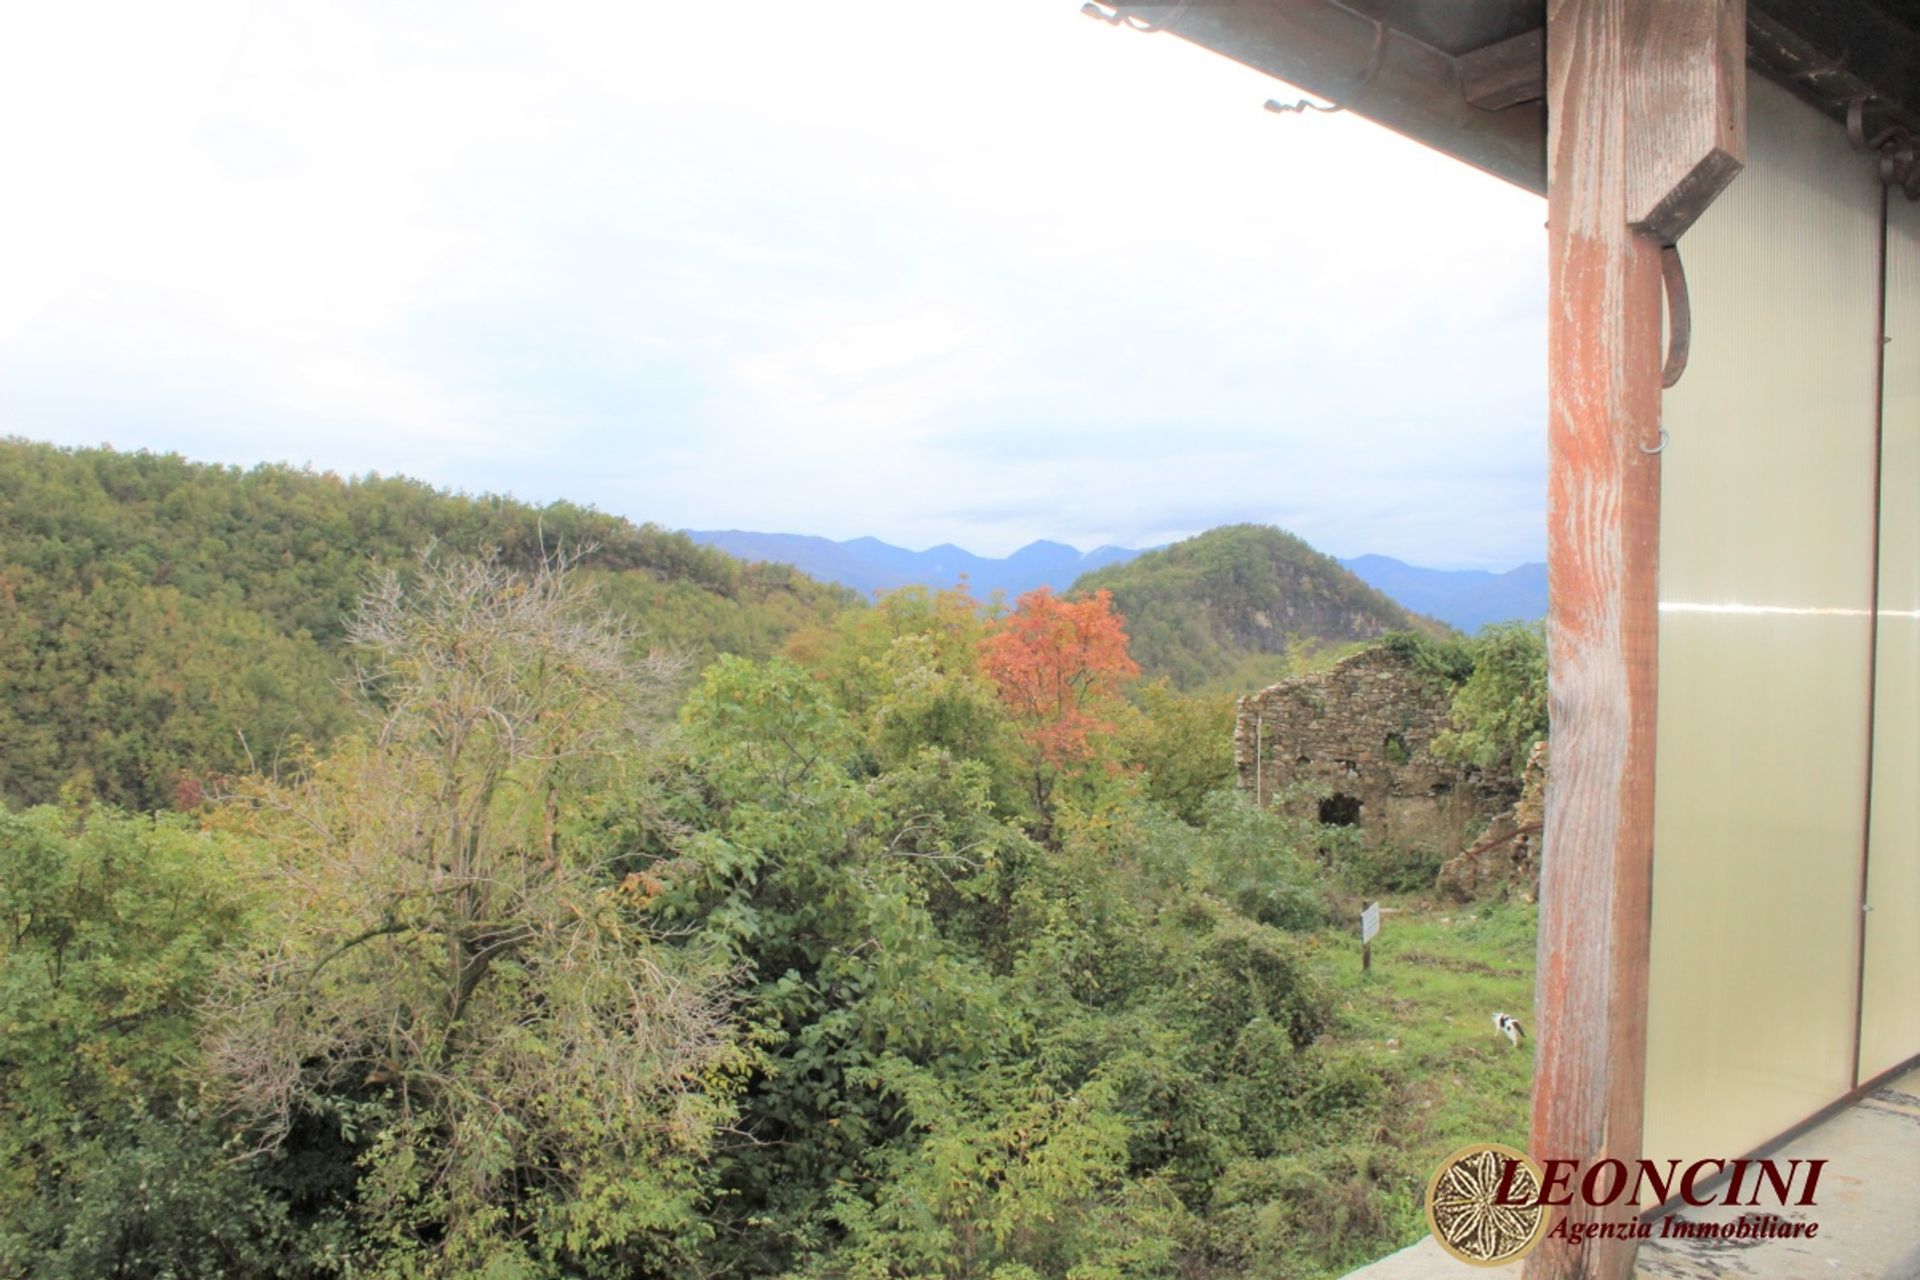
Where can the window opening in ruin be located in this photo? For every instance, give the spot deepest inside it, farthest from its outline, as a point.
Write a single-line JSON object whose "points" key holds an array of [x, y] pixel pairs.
{"points": [[1339, 810], [1396, 749]]}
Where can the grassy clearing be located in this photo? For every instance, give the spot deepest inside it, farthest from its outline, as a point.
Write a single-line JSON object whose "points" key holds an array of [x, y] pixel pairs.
{"points": [[1424, 1014]]}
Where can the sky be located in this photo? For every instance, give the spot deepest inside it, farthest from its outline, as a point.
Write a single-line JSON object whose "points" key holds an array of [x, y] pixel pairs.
{"points": [[933, 273]]}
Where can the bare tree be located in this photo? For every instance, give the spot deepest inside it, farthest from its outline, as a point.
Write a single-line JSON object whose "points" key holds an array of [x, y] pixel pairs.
{"points": [[440, 951]]}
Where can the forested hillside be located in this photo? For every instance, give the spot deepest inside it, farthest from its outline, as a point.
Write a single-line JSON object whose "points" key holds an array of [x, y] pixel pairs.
{"points": [[1226, 609], [163, 620], [919, 950]]}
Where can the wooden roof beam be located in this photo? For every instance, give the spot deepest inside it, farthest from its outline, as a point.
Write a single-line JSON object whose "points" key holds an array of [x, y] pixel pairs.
{"points": [[1331, 52], [1830, 52], [1506, 74]]}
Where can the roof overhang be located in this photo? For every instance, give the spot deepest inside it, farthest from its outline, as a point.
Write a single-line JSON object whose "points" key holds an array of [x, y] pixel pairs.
{"points": [[1468, 77]]}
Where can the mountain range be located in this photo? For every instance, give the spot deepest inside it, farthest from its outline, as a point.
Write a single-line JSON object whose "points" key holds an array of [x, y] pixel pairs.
{"points": [[869, 565], [1465, 599]]}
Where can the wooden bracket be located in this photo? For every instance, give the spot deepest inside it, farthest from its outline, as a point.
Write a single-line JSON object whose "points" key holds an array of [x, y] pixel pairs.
{"points": [[1686, 109]]}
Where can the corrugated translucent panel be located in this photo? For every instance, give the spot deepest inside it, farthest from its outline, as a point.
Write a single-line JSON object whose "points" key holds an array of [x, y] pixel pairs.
{"points": [[1890, 1007], [1766, 596]]}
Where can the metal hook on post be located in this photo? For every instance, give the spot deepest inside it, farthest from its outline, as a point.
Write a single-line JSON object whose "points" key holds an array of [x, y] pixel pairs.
{"points": [[1673, 277], [1679, 316]]}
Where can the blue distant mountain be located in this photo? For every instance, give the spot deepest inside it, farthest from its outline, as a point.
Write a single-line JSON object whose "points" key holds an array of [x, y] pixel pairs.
{"points": [[869, 565], [1466, 599], [1463, 598]]}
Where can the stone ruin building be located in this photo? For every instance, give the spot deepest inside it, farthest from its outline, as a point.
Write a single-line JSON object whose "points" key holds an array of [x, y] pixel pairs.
{"points": [[1360, 735], [1506, 857]]}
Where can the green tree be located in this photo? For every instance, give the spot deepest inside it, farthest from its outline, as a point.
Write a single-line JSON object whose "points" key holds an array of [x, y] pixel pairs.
{"points": [[110, 1166], [1501, 709], [535, 1074], [1182, 744], [861, 910], [848, 654]]}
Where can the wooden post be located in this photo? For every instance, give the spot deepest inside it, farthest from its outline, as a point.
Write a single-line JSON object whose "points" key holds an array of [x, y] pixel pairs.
{"points": [[1638, 96], [1259, 758]]}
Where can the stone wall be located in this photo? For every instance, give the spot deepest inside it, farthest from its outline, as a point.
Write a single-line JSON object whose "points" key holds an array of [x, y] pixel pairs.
{"points": [[1359, 735], [1505, 861]]}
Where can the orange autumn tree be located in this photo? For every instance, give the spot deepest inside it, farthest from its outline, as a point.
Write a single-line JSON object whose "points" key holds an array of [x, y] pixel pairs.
{"points": [[1058, 665]]}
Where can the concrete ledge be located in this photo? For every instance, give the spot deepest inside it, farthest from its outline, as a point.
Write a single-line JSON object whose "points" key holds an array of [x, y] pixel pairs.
{"points": [[1423, 1261], [1869, 1212]]}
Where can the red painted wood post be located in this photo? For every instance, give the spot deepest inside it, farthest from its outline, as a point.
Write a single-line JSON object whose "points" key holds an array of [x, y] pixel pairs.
{"points": [[1640, 133]]}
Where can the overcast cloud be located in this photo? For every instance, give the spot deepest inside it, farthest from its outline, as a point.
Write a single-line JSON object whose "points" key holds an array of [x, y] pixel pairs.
{"points": [[979, 274]]}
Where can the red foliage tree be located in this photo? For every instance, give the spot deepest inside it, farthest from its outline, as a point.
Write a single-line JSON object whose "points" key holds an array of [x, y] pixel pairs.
{"points": [[1057, 663]]}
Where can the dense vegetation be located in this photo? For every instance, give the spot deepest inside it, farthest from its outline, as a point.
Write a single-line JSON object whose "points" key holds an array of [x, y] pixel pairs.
{"points": [[929, 945], [521, 981], [163, 621], [1239, 606], [1500, 711]]}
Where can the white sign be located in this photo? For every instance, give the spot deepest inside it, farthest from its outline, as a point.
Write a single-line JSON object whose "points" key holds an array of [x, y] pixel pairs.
{"points": [[1369, 922]]}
